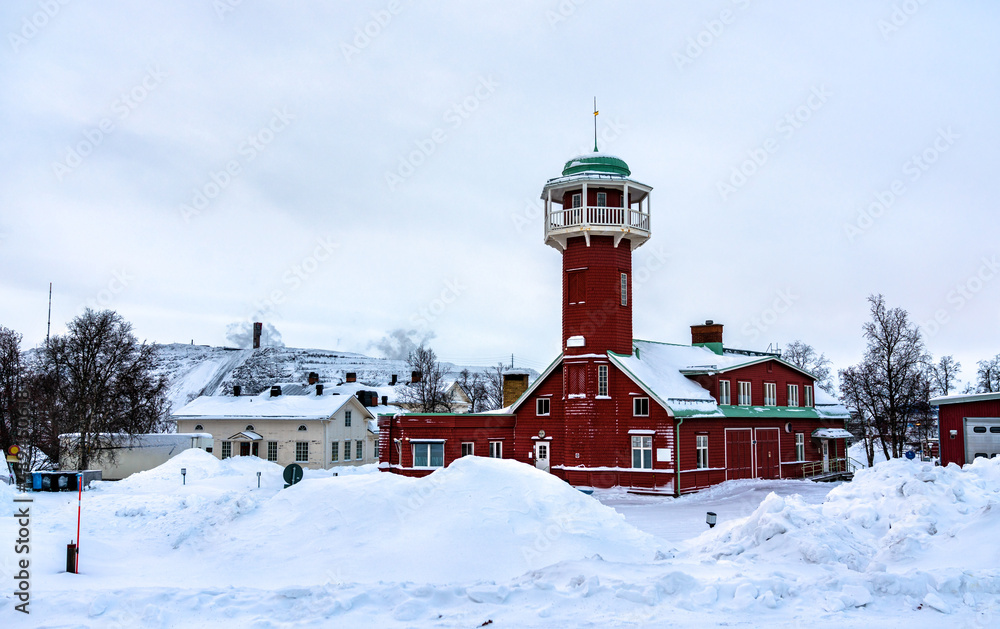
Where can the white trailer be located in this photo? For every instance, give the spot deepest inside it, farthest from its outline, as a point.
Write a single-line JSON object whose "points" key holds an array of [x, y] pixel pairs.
{"points": [[137, 453]]}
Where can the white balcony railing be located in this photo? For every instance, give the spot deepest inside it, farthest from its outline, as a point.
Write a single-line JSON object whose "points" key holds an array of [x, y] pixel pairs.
{"points": [[598, 217]]}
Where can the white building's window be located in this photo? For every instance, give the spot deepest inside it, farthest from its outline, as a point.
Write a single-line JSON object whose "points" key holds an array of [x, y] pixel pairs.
{"points": [[468, 448], [602, 380], [428, 455], [793, 395], [198, 428], [347, 450], [542, 406], [640, 406], [800, 446], [624, 289], [302, 428], [577, 200], [347, 418], [496, 449], [301, 451], [642, 452], [376, 449], [335, 451], [602, 199], [725, 397], [809, 394], [249, 427], [272, 451], [701, 445], [227, 449], [770, 394], [359, 450], [744, 394]]}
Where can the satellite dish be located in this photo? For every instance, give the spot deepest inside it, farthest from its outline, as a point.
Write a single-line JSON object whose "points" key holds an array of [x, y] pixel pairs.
{"points": [[292, 474]]}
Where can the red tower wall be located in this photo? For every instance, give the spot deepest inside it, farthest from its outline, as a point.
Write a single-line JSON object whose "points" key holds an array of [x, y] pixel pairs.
{"points": [[599, 317]]}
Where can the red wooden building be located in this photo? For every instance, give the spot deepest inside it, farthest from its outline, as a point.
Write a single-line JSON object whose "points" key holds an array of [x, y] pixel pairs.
{"points": [[615, 411], [969, 426]]}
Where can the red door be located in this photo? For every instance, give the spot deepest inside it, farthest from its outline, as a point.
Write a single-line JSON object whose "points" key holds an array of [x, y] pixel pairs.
{"points": [[768, 461], [739, 463]]}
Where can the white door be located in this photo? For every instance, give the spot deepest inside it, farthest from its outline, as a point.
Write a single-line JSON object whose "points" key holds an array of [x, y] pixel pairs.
{"points": [[542, 455], [826, 456]]}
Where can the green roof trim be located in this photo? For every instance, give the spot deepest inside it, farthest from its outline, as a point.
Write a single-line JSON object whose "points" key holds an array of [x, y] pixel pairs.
{"points": [[596, 164], [783, 412], [715, 347]]}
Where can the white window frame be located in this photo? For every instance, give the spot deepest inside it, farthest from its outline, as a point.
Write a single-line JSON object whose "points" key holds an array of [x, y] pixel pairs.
{"points": [[347, 450], [746, 393], [793, 395], [640, 407], [272, 445], [299, 457], [576, 200], [227, 449], [335, 452], [543, 406], [725, 393], [800, 446], [642, 447], [359, 450], [770, 394], [701, 451], [347, 419], [602, 380], [602, 199], [496, 449], [624, 289], [810, 401], [468, 448], [429, 447]]}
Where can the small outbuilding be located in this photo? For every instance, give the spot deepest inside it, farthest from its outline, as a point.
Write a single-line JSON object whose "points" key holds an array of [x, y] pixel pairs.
{"points": [[969, 426]]}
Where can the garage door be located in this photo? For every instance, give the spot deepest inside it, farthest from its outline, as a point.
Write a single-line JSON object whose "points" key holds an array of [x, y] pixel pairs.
{"points": [[982, 437], [739, 462]]}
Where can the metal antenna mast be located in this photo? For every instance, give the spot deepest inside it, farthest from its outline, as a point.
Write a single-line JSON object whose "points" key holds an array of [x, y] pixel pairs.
{"points": [[48, 328], [595, 124]]}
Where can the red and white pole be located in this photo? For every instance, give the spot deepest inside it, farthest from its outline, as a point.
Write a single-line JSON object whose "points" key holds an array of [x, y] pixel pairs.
{"points": [[79, 509]]}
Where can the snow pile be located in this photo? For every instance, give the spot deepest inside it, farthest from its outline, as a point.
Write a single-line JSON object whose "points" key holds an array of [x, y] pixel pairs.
{"points": [[900, 528], [478, 519]]}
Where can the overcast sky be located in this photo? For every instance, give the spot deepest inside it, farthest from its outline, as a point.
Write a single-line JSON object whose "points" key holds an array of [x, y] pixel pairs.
{"points": [[345, 169]]}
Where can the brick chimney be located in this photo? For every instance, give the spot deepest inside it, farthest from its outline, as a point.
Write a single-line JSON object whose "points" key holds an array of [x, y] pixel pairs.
{"points": [[313, 377], [258, 327], [708, 335], [351, 376], [415, 377], [515, 383]]}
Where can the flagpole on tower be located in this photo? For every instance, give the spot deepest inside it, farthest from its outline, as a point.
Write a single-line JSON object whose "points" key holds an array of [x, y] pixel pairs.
{"points": [[595, 124]]}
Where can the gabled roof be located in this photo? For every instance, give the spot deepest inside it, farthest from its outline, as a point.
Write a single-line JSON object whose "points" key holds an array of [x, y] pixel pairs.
{"points": [[534, 385], [964, 397], [279, 407]]}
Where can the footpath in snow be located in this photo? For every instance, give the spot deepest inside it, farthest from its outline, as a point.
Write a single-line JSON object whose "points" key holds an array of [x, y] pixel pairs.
{"points": [[904, 544]]}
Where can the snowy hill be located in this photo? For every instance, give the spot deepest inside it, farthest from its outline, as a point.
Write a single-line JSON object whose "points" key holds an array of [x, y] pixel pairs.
{"points": [[196, 370]]}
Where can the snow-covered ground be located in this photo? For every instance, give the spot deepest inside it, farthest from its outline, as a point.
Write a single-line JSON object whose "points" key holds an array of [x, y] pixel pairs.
{"points": [[500, 544]]}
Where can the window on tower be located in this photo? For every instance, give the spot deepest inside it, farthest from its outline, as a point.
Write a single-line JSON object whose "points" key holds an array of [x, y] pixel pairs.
{"points": [[624, 289], [602, 199], [577, 287], [577, 200]]}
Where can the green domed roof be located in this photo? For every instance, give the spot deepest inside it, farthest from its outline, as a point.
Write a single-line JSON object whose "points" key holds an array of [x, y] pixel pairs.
{"points": [[596, 163]]}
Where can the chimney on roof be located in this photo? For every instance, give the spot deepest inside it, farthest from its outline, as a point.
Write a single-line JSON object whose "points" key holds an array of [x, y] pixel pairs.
{"points": [[708, 336], [236, 390], [393, 381], [319, 389], [385, 400], [275, 391], [313, 377], [514, 385], [257, 329], [415, 377], [351, 376]]}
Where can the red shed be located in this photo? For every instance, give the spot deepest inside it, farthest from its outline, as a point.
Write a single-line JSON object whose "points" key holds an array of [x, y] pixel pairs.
{"points": [[969, 426]]}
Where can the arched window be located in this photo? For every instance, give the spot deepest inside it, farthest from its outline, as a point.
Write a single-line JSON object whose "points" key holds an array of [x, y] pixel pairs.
{"points": [[249, 427], [302, 427], [199, 427]]}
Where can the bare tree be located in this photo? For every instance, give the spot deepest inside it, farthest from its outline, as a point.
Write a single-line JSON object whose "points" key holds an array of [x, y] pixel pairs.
{"points": [[474, 385], [428, 394], [803, 356], [11, 375], [944, 375], [494, 387], [988, 375], [886, 390], [103, 384]]}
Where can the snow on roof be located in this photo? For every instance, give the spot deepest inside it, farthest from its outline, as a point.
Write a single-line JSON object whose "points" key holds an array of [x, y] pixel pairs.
{"points": [[280, 407], [964, 397]]}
